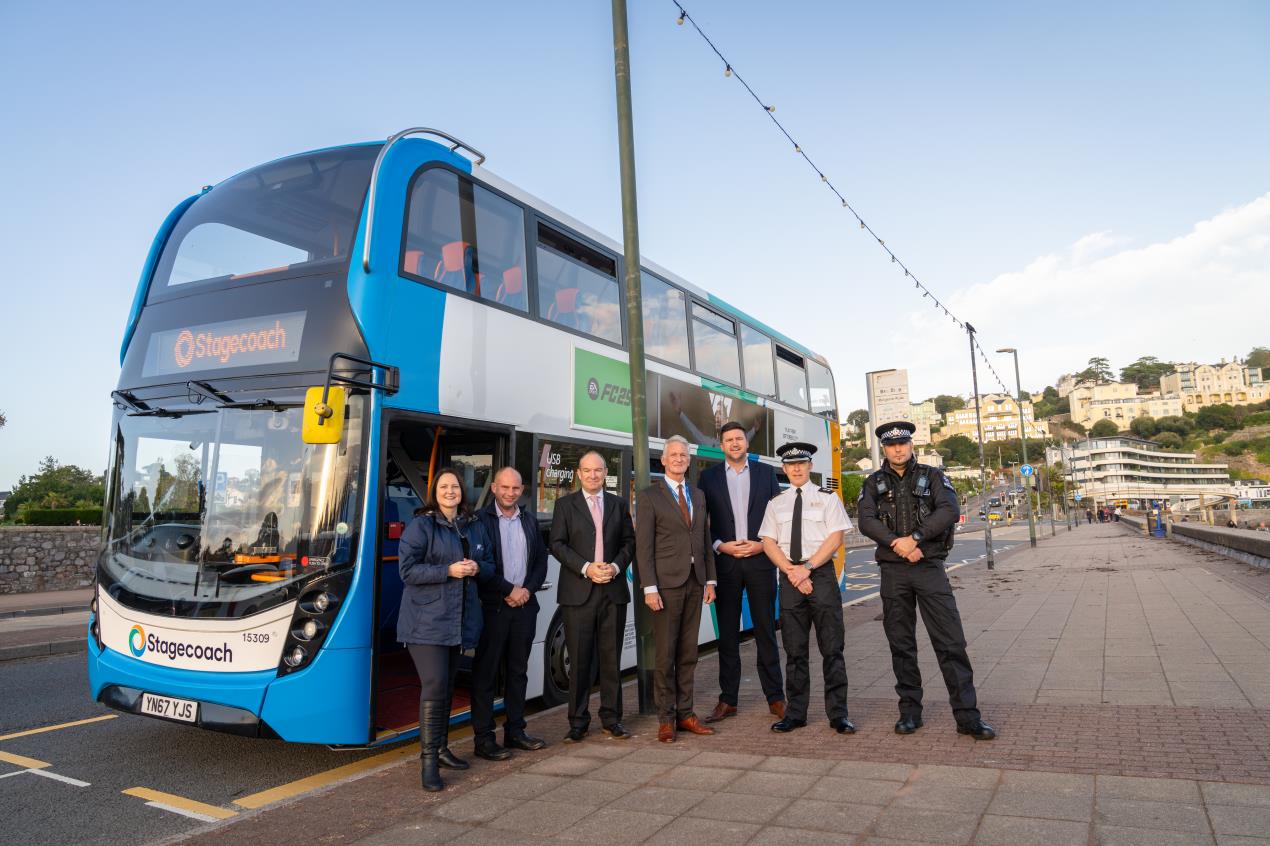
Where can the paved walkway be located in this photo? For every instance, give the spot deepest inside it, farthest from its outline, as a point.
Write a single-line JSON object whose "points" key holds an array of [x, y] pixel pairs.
{"points": [[1128, 678], [33, 625]]}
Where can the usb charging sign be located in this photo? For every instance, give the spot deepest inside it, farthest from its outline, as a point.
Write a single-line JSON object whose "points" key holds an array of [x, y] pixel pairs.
{"points": [[270, 339]]}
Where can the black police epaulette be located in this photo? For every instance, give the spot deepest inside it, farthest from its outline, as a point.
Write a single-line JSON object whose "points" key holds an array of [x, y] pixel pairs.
{"points": [[825, 490]]}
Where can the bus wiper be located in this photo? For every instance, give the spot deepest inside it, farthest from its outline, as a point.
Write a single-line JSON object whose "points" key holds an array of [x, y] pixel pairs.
{"points": [[137, 408], [224, 400]]}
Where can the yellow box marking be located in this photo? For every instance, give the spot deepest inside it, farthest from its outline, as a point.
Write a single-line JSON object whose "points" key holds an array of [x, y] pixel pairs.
{"points": [[23, 761], [295, 788], [59, 726], [180, 802]]}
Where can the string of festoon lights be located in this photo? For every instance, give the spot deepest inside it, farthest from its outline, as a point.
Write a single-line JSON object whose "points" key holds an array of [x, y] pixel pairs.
{"points": [[770, 110]]}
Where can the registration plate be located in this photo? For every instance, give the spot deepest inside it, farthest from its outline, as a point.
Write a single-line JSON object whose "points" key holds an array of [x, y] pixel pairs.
{"points": [[169, 708]]}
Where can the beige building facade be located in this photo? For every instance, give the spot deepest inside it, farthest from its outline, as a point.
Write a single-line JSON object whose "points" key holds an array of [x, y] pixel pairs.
{"points": [[1120, 403], [1233, 383], [1000, 414]]}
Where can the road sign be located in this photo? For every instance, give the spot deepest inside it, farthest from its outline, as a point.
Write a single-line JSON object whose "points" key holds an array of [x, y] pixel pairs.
{"points": [[1078, 497], [1026, 470]]}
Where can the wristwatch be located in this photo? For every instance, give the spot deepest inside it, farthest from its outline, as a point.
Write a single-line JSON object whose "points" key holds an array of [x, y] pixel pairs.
{"points": [[917, 536]]}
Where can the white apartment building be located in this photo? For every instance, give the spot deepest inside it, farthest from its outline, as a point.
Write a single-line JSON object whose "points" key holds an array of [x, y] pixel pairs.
{"points": [[1104, 470], [1209, 384], [1000, 414], [1120, 403]]}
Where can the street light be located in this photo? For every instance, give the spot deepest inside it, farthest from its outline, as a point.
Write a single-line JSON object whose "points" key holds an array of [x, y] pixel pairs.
{"points": [[1018, 392]]}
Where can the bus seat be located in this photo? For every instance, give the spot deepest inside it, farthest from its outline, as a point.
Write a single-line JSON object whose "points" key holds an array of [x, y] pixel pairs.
{"points": [[456, 257], [512, 286], [413, 262], [566, 302]]}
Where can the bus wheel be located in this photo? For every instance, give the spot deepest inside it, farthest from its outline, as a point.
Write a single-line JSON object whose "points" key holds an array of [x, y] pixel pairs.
{"points": [[555, 676]]}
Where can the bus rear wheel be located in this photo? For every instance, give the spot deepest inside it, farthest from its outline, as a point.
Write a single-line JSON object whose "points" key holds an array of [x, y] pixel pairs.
{"points": [[555, 676]]}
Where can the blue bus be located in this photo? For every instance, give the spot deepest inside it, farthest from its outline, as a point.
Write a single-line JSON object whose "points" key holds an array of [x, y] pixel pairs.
{"points": [[310, 340]]}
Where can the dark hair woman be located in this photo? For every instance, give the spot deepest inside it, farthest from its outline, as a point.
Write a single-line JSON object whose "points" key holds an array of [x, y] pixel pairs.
{"points": [[442, 551]]}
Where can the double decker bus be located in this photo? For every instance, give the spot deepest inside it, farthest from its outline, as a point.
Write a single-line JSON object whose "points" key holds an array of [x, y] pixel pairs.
{"points": [[309, 342]]}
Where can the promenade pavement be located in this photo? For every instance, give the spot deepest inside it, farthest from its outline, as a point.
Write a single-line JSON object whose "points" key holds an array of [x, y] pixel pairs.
{"points": [[46, 623], [1128, 678]]}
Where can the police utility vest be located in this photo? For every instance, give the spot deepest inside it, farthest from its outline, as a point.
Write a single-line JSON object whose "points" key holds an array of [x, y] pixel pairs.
{"points": [[906, 505]]}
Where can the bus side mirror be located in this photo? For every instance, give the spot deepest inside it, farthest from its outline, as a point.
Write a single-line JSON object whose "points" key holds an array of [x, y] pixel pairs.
{"points": [[323, 421]]}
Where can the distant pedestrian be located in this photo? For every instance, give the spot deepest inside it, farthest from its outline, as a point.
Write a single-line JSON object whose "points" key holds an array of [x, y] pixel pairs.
{"points": [[1116, 514], [1089, 515]]}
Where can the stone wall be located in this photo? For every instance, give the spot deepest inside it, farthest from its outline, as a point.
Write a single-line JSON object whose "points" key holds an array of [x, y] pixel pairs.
{"points": [[35, 558]]}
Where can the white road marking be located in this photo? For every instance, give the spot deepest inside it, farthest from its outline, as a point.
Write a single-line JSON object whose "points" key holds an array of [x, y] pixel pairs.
{"points": [[56, 777], [194, 815], [15, 772]]}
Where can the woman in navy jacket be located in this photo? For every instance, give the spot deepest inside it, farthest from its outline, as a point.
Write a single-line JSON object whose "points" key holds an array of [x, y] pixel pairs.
{"points": [[443, 552]]}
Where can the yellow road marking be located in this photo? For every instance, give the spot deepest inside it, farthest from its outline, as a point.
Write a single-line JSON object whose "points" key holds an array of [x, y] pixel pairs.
{"points": [[295, 788], [180, 802], [23, 761], [59, 726]]}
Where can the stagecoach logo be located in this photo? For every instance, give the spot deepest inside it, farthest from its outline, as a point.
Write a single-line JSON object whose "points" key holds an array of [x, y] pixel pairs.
{"points": [[233, 343], [137, 641]]}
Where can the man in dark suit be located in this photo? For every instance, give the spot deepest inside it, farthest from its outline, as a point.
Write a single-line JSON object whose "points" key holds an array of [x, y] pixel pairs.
{"points": [[676, 570], [737, 492], [594, 541], [510, 610]]}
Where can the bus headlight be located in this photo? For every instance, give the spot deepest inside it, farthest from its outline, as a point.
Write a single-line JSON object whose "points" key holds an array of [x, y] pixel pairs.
{"points": [[321, 602], [295, 657], [313, 621], [306, 630]]}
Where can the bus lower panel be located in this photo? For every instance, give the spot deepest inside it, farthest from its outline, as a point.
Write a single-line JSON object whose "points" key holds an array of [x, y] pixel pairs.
{"points": [[241, 691], [211, 716], [326, 702]]}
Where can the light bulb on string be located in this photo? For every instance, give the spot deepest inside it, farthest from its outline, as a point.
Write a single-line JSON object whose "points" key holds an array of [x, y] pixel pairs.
{"points": [[770, 108], [727, 71], [680, 19]]}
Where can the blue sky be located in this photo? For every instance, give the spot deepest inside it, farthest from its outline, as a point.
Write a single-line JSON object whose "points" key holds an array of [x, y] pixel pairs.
{"points": [[1075, 179]]}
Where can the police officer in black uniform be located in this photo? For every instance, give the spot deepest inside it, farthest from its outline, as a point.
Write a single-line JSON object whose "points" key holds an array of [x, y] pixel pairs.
{"points": [[910, 510]]}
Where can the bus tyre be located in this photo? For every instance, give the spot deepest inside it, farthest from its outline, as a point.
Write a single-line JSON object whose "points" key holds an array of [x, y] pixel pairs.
{"points": [[555, 672]]}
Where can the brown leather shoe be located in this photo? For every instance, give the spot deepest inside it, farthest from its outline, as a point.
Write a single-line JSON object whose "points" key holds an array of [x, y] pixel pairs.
{"points": [[666, 732], [777, 708], [721, 712], [693, 725]]}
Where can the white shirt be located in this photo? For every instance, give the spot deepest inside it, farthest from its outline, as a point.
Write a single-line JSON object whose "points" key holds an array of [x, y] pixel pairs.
{"points": [[823, 514]]}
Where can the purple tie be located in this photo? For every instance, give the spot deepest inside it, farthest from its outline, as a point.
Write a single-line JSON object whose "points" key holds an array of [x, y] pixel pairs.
{"points": [[599, 527]]}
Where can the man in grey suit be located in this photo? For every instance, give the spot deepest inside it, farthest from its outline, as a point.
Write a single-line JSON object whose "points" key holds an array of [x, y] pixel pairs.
{"points": [[676, 570]]}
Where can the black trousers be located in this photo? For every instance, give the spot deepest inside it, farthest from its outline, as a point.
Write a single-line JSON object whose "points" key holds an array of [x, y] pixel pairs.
{"points": [[676, 630], [506, 638], [905, 588], [437, 666], [799, 612], [755, 576], [593, 634]]}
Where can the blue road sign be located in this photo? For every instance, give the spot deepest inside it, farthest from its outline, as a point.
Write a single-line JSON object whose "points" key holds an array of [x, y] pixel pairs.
{"points": [[1078, 497], [1027, 470]]}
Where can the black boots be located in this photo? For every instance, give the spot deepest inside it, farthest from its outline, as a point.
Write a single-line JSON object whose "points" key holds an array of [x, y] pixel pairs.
{"points": [[434, 724]]}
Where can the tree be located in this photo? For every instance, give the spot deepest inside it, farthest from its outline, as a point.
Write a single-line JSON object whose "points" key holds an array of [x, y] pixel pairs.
{"points": [[1104, 429], [851, 485], [1259, 357], [961, 450], [1176, 424], [1219, 416], [1169, 440], [1144, 426], [858, 419], [1099, 370], [1146, 372], [3, 420], [57, 486], [945, 403]]}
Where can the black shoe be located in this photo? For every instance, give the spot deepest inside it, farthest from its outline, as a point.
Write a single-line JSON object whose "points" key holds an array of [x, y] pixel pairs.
{"points": [[842, 725], [979, 730], [524, 742], [787, 724], [617, 731], [491, 751], [908, 725], [450, 761], [575, 735]]}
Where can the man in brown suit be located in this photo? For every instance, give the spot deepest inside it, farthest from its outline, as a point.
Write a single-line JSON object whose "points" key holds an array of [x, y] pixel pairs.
{"points": [[676, 570]]}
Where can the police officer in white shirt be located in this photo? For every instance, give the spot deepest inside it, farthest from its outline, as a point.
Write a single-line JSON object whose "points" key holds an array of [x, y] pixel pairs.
{"points": [[802, 531]]}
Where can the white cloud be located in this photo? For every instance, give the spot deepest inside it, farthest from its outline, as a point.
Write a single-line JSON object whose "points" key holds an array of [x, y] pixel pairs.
{"points": [[1201, 296]]}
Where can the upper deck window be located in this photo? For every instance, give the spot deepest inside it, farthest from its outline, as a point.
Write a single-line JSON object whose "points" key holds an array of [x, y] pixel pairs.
{"points": [[466, 237], [665, 321], [823, 399], [577, 286], [714, 342], [756, 348], [292, 217], [791, 377]]}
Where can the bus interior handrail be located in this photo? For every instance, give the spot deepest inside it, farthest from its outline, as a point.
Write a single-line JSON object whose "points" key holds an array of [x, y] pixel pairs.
{"points": [[455, 144]]}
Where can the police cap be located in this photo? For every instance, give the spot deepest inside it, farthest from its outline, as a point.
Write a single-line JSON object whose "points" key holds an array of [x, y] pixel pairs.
{"points": [[796, 451], [895, 433]]}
